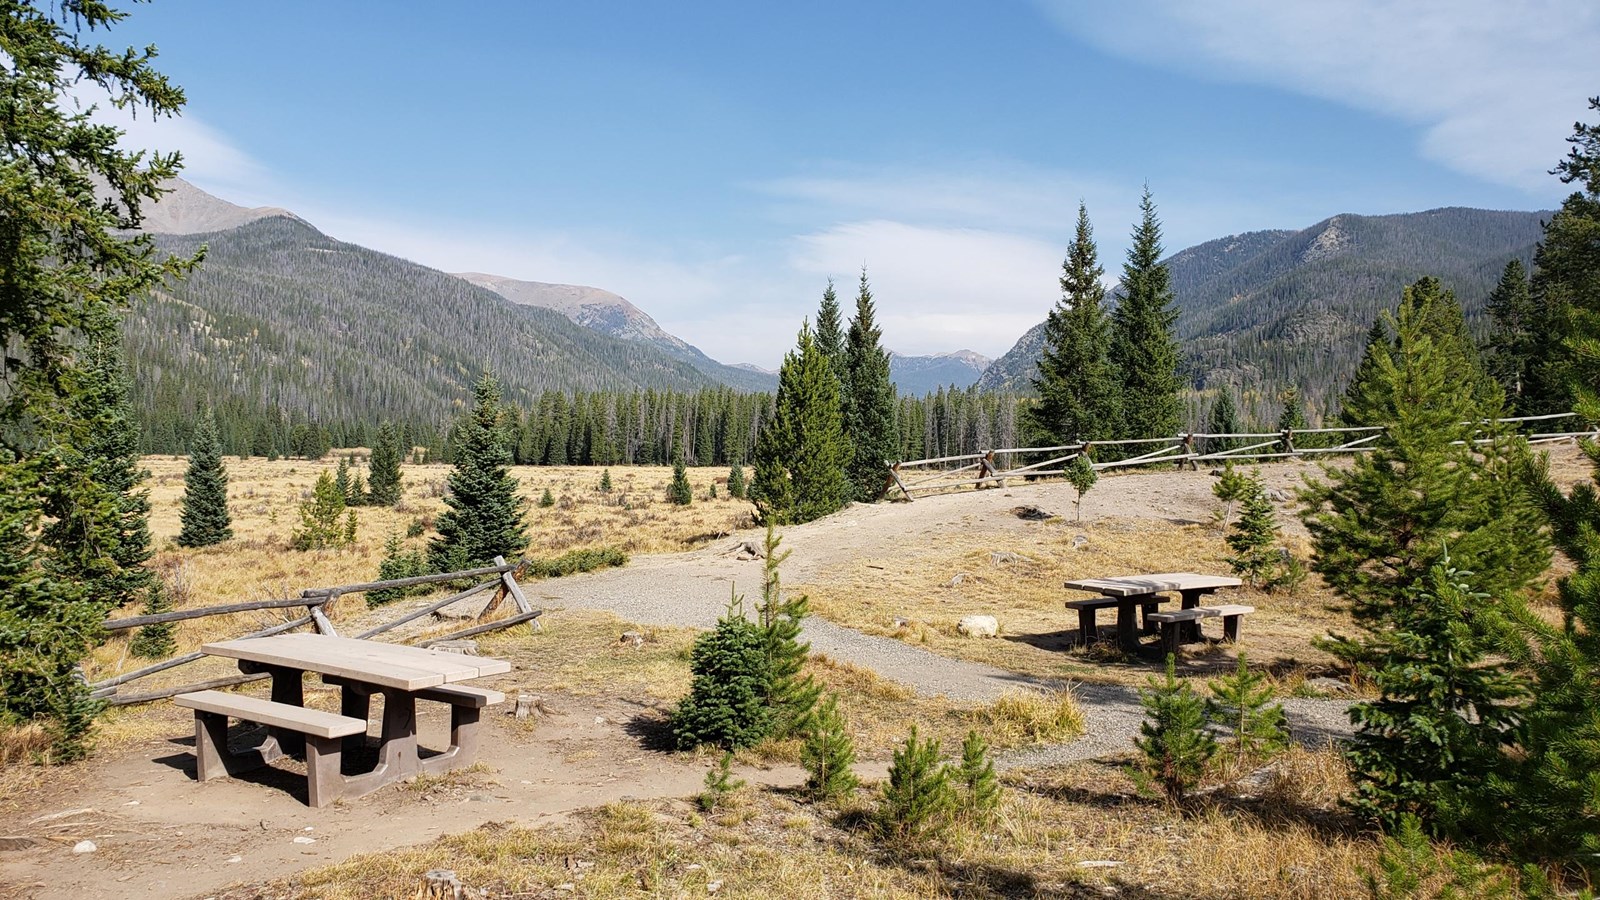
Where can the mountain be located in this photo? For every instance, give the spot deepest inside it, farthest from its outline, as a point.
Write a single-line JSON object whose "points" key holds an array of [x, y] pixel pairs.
{"points": [[1263, 310], [185, 209], [610, 314], [915, 376]]}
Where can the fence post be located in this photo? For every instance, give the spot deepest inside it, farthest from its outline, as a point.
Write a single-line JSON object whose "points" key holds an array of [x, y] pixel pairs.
{"points": [[1288, 441], [1188, 450]]}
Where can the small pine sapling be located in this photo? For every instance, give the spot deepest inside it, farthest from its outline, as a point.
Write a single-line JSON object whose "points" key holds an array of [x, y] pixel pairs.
{"points": [[1254, 537], [719, 784], [917, 798], [827, 753], [679, 493], [1242, 703], [323, 523], [712, 494], [547, 499], [1230, 488], [736, 482], [397, 563], [605, 481], [791, 693], [981, 795], [1174, 741], [155, 641], [726, 705], [1081, 475]]}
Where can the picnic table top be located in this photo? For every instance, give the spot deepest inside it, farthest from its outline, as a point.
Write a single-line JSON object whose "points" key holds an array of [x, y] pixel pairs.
{"points": [[1140, 585], [385, 665]]}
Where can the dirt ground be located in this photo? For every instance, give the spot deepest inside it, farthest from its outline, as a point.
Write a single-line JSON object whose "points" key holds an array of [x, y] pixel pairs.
{"points": [[158, 834]]}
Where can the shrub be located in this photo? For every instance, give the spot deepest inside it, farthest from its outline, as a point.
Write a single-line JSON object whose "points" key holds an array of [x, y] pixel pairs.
{"points": [[1175, 743], [323, 523], [719, 784], [547, 499], [574, 561], [917, 798], [1027, 716], [397, 563], [726, 705], [155, 641]]}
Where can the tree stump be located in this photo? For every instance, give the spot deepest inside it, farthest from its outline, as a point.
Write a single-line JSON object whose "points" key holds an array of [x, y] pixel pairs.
{"points": [[440, 884]]}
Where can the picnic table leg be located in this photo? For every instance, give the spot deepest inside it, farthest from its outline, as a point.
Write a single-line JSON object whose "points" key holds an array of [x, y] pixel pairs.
{"points": [[287, 688], [397, 748], [1086, 627], [1128, 623], [1189, 632], [463, 750], [355, 702]]}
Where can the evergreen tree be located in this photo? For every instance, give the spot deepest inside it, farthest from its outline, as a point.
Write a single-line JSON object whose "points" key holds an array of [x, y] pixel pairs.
{"points": [[981, 786], [342, 483], [1379, 347], [1511, 340], [678, 492], [917, 798], [726, 705], [790, 693], [605, 481], [869, 423], [1076, 383], [485, 515], [397, 563], [1224, 419], [1230, 488], [205, 491], [383, 478], [547, 499], [827, 753], [801, 456], [1082, 476], [323, 521], [1254, 537], [831, 339], [1293, 420], [1242, 704], [155, 641], [1143, 349], [1380, 524], [1427, 744], [1175, 742], [736, 488]]}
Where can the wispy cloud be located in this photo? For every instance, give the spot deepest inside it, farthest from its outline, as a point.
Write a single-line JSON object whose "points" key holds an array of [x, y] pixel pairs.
{"points": [[1494, 86]]}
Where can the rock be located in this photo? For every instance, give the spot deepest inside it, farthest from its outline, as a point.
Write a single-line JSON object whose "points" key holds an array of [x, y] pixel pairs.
{"points": [[1032, 513], [302, 839], [978, 626], [633, 639], [1003, 558], [235, 858], [902, 622], [442, 884], [1079, 541], [463, 647], [959, 577], [713, 886], [1277, 495], [84, 847], [1328, 685]]}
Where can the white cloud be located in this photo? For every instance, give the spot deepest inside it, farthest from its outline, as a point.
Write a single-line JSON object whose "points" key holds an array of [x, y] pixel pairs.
{"points": [[1495, 86]]}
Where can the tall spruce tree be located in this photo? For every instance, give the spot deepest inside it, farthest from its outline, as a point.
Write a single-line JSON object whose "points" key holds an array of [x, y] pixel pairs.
{"points": [[1143, 348], [383, 478], [1379, 347], [1223, 419], [485, 515], [1379, 525], [1512, 339], [1076, 383], [801, 455], [869, 401], [205, 515], [830, 338]]}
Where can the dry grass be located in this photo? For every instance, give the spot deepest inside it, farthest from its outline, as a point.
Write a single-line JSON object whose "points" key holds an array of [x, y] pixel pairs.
{"points": [[767, 844], [919, 595], [1029, 717]]}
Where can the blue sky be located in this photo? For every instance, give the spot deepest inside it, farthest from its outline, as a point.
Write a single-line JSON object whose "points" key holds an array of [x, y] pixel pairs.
{"points": [[716, 163]]}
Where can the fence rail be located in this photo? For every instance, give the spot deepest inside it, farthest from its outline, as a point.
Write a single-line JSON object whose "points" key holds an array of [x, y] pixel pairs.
{"points": [[314, 601], [992, 467]]}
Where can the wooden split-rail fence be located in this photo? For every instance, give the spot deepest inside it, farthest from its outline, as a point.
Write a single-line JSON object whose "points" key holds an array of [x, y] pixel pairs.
{"points": [[992, 467], [500, 578]]}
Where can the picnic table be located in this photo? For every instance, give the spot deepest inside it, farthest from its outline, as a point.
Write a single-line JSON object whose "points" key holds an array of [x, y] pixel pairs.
{"points": [[361, 668], [1135, 592]]}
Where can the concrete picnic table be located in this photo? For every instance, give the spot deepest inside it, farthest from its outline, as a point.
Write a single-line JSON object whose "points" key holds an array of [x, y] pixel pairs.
{"points": [[1134, 591], [362, 668]]}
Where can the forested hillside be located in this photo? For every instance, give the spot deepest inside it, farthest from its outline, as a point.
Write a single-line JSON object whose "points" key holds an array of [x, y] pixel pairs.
{"points": [[281, 318], [1263, 310]]}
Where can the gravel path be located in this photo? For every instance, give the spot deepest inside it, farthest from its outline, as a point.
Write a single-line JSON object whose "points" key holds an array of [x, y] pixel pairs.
{"points": [[693, 589]]}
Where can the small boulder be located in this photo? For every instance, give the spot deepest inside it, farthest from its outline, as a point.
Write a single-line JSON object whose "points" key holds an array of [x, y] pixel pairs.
{"points": [[1003, 558], [959, 577], [978, 626], [634, 639], [84, 847], [1328, 685]]}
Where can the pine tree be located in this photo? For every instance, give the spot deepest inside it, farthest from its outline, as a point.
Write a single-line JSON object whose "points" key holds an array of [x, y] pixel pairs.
{"points": [[1511, 339], [1293, 420], [205, 491], [1082, 476], [323, 524], [868, 402], [736, 488], [719, 783], [1143, 349], [917, 798], [397, 563], [831, 339], [1175, 742], [1254, 537], [155, 641], [1224, 419], [605, 481], [827, 753], [1231, 487], [1426, 746], [485, 515], [547, 499], [1380, 524], [726, 706], [1075, 381], [342, 483], [981, 786], [679, 493], [1379, 347], [383, 478], [801, 455], [1242, 704], [790, 693]]}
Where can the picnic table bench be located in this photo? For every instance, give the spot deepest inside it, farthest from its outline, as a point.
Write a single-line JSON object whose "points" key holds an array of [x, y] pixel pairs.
{"points": [[361, 668], [1132, 593]]}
